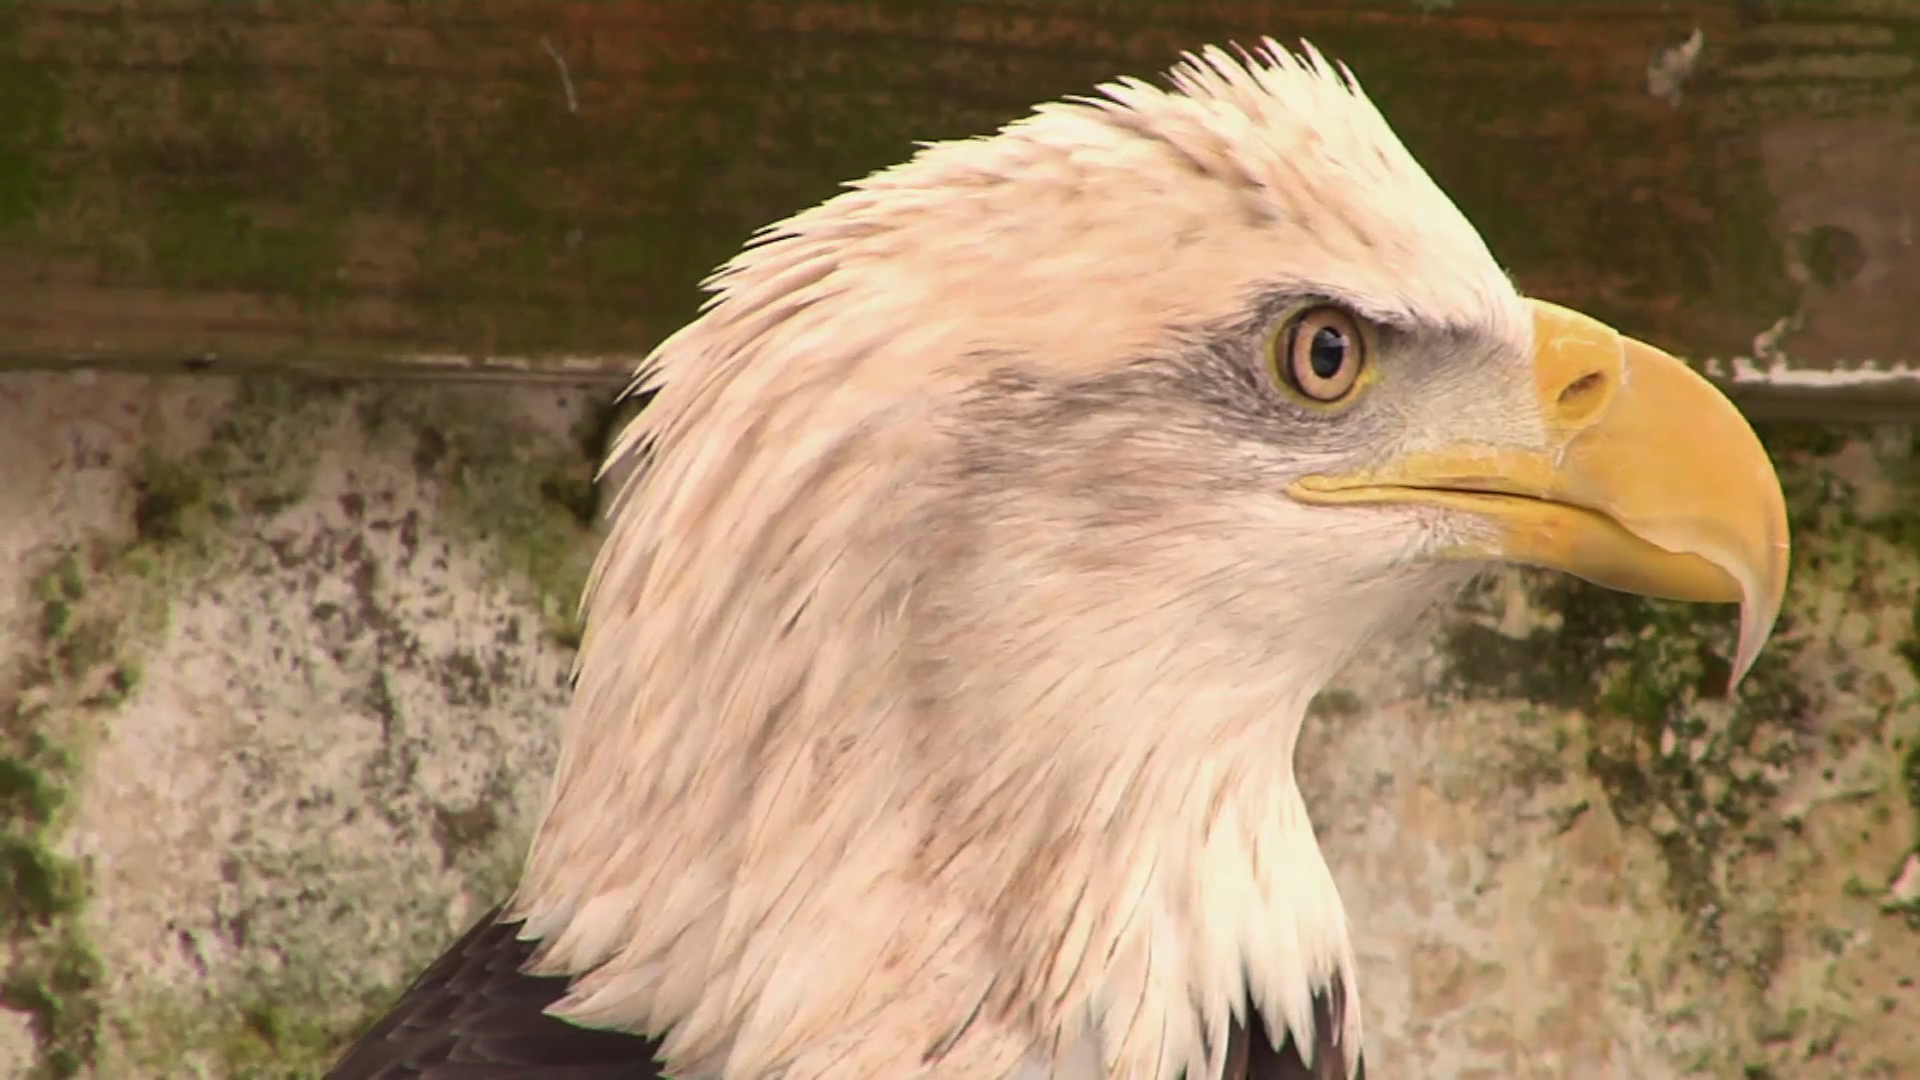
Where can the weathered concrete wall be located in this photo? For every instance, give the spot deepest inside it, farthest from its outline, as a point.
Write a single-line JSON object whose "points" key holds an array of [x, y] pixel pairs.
{"points": [[1569, 855], [279, 672], [280, 666]]}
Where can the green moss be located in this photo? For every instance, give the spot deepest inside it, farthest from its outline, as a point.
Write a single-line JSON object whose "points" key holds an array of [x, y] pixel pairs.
{"points": [[97, 603], [37, 886], [280, 1040], [573, 484], [1672, 760], [274, 1031], [30, 122], [1699, 774], [573, 493], [215, 241], [1901, 526], [52, 973], [298, 158], [168, 495], [534, 507], [65, 581], [27, 795], [55, 981]]}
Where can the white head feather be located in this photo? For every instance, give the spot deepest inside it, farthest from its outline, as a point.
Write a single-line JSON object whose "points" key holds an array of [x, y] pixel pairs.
{"points": [[943, 670]]}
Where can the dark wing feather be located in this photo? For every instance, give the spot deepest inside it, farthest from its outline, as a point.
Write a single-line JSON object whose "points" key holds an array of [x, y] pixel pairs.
{"points": [[1253, 1054], [474, 1016]]}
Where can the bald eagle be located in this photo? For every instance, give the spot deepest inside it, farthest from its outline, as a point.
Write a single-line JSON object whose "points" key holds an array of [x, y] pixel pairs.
{"points": [[993, 525]]}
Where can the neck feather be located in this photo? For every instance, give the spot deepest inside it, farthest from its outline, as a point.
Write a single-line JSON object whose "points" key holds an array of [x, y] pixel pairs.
{"points": [[822, 801]]}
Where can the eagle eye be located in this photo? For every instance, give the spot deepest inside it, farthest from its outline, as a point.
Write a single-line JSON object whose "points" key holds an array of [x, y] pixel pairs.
{"points": [[1320, 354]]}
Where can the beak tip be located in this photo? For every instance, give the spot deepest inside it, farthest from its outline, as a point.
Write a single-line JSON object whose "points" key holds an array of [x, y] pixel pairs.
{"points": [[1759, 615]]}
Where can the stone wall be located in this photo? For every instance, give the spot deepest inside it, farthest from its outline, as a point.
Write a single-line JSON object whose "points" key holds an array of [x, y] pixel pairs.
{"points": [[1568, 854], [280, 665]]}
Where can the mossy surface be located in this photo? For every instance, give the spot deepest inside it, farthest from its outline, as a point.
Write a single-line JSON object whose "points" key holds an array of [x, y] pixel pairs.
{"points": [[249, 1035], [1901, 526], [1672, 756], [75, 670], [588, 166], [100, 604], [536, 505], [209, 503], [30, 125], [1727, 789]]}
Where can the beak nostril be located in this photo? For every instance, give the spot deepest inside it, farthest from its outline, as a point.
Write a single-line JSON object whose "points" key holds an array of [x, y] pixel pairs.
{"points": [[1582, 394]]}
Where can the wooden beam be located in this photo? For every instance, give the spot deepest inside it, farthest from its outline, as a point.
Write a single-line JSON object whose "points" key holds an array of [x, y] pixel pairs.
{"points": [[499, 188]]}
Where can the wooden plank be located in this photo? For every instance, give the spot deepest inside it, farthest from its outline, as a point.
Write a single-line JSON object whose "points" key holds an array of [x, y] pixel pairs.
{"points": [[525, 189]]}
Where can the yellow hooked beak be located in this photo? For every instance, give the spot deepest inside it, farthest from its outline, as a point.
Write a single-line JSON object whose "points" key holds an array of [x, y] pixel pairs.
{"points": [[1650, 481]]}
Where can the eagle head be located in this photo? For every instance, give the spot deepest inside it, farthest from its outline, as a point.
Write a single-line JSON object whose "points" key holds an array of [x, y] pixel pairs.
{"points": [[990, 530]]}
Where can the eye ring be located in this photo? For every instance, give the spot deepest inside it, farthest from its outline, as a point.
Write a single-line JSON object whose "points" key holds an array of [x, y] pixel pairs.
{"points": [[1320, 354]]}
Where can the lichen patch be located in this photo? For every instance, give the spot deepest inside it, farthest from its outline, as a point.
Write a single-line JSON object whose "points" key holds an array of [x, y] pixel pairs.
{"points": [[295, 686]]}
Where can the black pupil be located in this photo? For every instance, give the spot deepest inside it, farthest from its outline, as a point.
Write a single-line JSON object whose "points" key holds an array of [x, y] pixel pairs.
{"points": [[1328, 352]]}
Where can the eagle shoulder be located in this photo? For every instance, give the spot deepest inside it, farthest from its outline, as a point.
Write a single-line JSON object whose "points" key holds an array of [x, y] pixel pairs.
{"points": [[473, 1015]]}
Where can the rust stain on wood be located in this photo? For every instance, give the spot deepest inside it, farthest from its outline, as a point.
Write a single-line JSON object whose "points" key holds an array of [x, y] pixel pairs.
{"points": [[498, 189]]}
